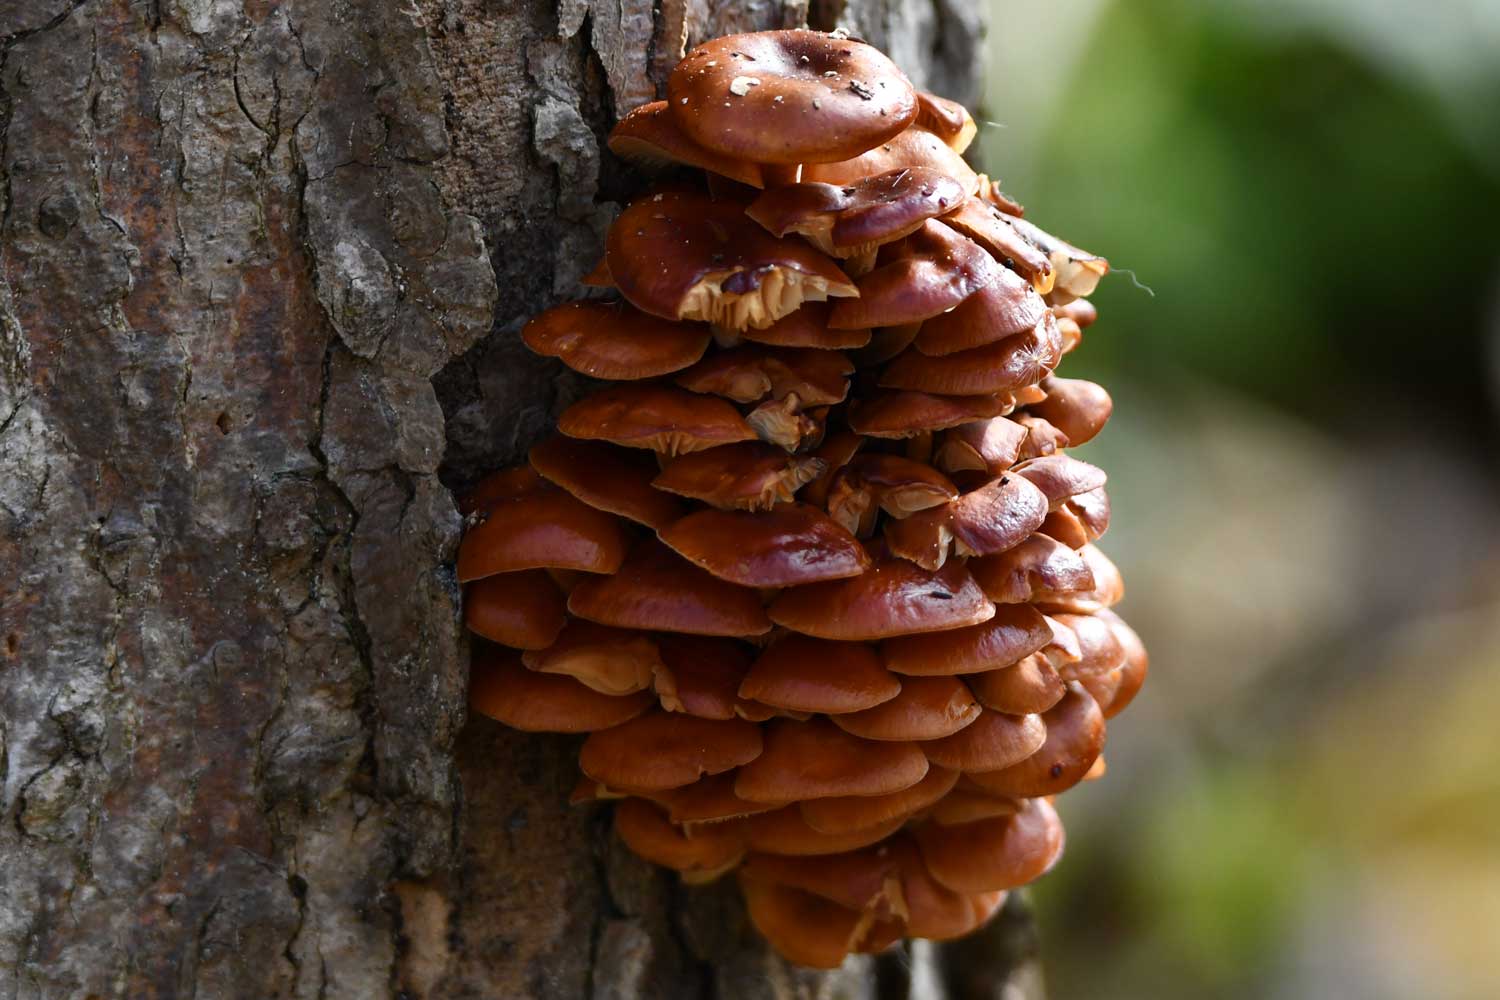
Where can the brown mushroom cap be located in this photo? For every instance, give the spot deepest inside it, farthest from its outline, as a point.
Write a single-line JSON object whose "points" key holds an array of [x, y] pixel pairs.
{"points": [[815, 760], [1026, 687], [789, 96], [855, 218], [1019, 360], [927, 708], [989, 446], [499, 687], [808, 327], [752, 372], [1061, 477], [989, 192], [609, 660], [781, 422], [613, 340], [991, 519], [927, 273], [679, 254], [1004, 307], [1102, 660], [664, 750], [948, 120], [852, 813], [1137, 663], [886, 414], [968, 803], [670, 420], [1080, 520], [1075, 738], [784, 831], [783, 547], [940, 914], [701, 675], [1039, 565], [802, 927], [705, 852], [992, 742], [708, 800], [541, 530], [608, 478], [993, 854], [1107, 587], [899, 486], [649, 135], [1074, 406], [751, 475], [504, 484], [997, 233], [866, 880], [1078, 271], [915, 147], [525, 610], [657, 589], [892, 598], [815, 675], [1013, 631], [1042, 438]]}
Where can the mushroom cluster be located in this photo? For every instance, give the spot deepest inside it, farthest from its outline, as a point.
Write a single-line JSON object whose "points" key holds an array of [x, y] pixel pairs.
{"points": [[813, 568]]}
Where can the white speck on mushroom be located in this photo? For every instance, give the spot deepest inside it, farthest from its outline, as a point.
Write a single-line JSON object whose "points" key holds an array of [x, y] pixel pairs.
{"points": [[777, 99], [712, 62], [817, 103], [830, 72], [683, 101], [740, 85], [656, 197]]}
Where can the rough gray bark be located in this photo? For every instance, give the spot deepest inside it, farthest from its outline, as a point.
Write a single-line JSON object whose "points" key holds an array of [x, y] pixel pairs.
{"points": [[250, 255]]}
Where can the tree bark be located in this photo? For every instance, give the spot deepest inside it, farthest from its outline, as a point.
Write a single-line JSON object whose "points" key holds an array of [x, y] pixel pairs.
{"points": [[262, 263]]}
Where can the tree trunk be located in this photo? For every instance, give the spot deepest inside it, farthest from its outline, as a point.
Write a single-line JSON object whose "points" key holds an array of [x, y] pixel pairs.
{"points": [[262, 263]]}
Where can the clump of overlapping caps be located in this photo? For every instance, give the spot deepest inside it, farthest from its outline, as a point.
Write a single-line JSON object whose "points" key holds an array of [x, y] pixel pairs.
{"points": [[813, 569]]}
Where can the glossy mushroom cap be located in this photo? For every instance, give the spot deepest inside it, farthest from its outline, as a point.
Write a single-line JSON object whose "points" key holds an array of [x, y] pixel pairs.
{"points": [[816, 675], [896, 414], [1074, 406], [892, 598], [843, 815], [701, 854], [915, 147], [613, 340], [1061, 477], [1006, 306], [997, 233], [989, 446], [1075, 738], [1011, 632], [650, 136], [787, 546], [525, 610], [1039, 565], [661, 750], [784, 831], [992, 742], [1019, 360], [815, 759], [927, 273], [803, 927], [499, 687], [993, 854], [751, 475], [927, 708], [789, 97], [701, 675], [807, 327], [1029, 686], [669, 420], [1137, 663], [1077, 271], [948, 120], [752, 372], [657, 589], [997, 516], [854, 219], [540, 530], [680, 254], [608, 478], [609, 660]]}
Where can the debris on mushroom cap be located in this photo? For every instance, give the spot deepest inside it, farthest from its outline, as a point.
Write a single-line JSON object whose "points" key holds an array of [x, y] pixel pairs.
{"points": [[998, 234], [893, 597], [540, 530], [649, 135], [991, 742], [660, 750], [1019, 360], [1029, 686], [499, 687], [993, 854], [915, 147], [751, 475], [815, 760], [752, 372], [851, 813], [854, 219], [900, 414], [657, 589], [1076, 407], [606, 477], [816, 675], [704, 853], [927, 708], [784, 831], [1000, 309], [927, 273], [948, 120], [1039, 565], [796, 112], [525, 610], [783, 547], [1075, 738], [682, 255], [669, 420], [807, 327], [990, 446], [614, 340], [609, 660], [1011, 632]]}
